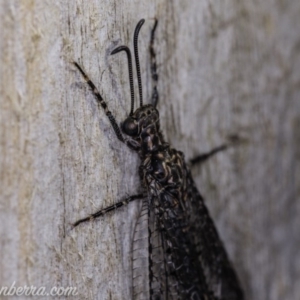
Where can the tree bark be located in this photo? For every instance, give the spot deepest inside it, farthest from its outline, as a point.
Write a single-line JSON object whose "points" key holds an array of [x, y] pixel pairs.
{"points": [[226, 69]]}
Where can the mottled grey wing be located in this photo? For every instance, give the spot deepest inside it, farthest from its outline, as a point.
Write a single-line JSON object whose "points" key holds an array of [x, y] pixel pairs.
{"points": [[183, 274], [177, 253], [149, 270], [140, 255], [191, 262], [219, 274]]}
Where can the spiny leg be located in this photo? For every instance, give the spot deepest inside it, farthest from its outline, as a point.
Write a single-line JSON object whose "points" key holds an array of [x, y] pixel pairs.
{"points": [[109, 208], [233, 141], [154, 74], [203, 157], [102, 103]]}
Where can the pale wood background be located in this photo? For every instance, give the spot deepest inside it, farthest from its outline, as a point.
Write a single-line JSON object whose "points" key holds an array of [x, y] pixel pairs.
{"points": [[226, 68]]}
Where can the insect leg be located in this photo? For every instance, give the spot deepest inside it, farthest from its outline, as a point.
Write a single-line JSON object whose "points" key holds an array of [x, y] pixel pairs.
{"points": [[102, 103], [203, 157], [155, 95], [108, 209]]}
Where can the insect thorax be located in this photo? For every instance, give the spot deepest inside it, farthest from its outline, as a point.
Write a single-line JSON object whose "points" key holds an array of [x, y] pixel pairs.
{"points": [[164, 173], [162, 166]]}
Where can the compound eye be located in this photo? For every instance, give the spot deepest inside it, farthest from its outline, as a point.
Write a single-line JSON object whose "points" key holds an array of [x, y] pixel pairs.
{"points": [[159, 171], [130, 127]]}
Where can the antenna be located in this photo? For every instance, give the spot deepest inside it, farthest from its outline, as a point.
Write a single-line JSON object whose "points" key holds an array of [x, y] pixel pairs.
{"points": [[136, 55], [127, 50]]}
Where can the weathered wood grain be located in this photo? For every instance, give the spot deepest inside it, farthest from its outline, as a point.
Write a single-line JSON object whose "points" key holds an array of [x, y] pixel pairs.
{"points": [[226, 68]]}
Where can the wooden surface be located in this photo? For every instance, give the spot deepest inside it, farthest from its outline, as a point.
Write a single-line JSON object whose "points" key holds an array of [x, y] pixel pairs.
{"points": [[226, 68]]}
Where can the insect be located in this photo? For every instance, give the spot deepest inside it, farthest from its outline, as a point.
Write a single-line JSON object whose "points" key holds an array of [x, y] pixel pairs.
{"points": [[179, 255]]}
